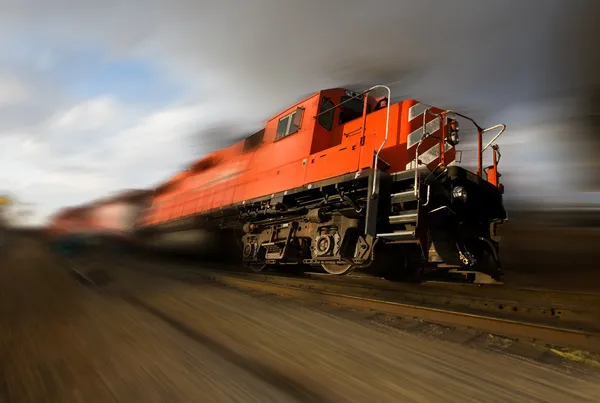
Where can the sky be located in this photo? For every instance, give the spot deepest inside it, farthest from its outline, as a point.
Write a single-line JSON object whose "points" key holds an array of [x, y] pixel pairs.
{"points": [[101, 96]]}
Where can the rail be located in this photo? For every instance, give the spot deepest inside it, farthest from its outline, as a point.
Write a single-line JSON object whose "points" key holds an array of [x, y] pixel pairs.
{"points": [[456, 310], [570, 316], [488, 324]]}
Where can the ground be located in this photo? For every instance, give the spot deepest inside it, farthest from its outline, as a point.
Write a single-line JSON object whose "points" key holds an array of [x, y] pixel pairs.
{"points": [[555, 250], [144, 338]]}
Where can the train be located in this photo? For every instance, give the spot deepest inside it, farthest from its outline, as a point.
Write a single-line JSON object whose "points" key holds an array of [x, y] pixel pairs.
{"points": [[108, 221], [341, 181]]}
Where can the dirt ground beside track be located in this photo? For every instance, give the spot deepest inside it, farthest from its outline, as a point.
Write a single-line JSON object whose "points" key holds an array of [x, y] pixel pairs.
{"points": [[551, 255], [144, 338]]}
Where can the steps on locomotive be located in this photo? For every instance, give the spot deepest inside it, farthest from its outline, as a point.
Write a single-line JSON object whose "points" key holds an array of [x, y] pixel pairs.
{"points": [[405, 217], [403, 197], [403, 213], [399, 236]]}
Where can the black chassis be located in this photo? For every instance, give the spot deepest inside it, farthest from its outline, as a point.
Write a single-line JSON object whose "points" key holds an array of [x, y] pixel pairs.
{"points": [[457, 229]]}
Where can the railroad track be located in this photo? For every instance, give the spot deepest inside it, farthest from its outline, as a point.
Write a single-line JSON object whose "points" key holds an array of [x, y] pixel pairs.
{"points": [[556, 319], [547, 318], [574, 310], [589, 341]]}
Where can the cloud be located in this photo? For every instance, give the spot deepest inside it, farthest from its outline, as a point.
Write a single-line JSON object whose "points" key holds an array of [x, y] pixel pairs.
{"points": [[89, 115], [96, 147], [12, 92], [86, 150]]}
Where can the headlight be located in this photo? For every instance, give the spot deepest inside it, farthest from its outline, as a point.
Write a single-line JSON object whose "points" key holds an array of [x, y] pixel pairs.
{"points": [[459, 193], [452, 131]]}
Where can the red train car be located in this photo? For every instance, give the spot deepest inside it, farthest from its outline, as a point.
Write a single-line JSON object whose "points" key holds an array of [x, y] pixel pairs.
{"points": [[68, 229], [109, 220], [335, 175], [71, 220], [115, 216]]}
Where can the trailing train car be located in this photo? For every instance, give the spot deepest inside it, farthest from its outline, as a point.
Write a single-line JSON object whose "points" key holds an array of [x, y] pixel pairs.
{"points": [[342, 180], [112, 219], [67, 229], [107, 221], [68, 220]]}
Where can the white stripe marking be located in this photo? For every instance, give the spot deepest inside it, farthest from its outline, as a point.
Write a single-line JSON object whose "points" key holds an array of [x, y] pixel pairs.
{"points": [[415, 136], [416, 110], [428, 156]]}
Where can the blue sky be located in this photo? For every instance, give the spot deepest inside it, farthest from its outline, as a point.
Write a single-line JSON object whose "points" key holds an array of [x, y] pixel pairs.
{"points": [[130, 80], [91, 70]]}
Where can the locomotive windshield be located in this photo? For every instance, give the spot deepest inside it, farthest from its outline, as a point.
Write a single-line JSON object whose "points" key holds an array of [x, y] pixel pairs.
{"points": [[350, 109]]}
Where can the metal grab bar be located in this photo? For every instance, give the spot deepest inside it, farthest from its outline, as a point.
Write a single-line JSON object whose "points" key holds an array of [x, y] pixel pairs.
{"points": [[387, 132], [503, 126], [481, 149], [417, 160], [423, 137], [480, 132]]}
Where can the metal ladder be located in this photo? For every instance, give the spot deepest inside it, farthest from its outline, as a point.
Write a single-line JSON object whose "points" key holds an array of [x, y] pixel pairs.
{"points": [[404, 217], [408, 216]]}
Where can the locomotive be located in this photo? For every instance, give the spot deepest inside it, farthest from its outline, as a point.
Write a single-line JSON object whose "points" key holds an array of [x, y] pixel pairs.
{"points": [[342, 180]]}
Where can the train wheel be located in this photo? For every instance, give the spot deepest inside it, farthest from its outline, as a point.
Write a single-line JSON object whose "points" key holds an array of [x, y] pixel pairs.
{"points": [[337, 269], [258, 267]]}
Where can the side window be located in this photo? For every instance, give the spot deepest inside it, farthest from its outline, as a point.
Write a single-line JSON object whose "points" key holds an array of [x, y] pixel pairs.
{"points": [[289, 124], [255, 140], [326, 119]]}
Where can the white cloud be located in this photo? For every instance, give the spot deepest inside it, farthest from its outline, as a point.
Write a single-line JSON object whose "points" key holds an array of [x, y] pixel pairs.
{"points": [[90, 115], [93, 148], [13, 92]]}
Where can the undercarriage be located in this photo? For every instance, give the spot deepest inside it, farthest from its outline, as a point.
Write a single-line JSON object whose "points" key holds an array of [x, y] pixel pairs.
{"points": [[391, 225]]}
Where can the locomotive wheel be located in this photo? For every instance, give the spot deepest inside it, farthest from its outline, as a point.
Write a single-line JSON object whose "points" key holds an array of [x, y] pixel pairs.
{"points": [[257, 268], [336, 269]]}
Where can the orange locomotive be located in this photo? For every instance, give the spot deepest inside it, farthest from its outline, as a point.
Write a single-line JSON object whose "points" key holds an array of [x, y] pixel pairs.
{"points": [[335, 175]]}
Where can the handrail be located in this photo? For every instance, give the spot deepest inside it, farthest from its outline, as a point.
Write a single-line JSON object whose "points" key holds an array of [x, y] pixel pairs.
{"points": [[480, 132], [503, 126], [481, 149], [387, 130], [425, 134]]}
